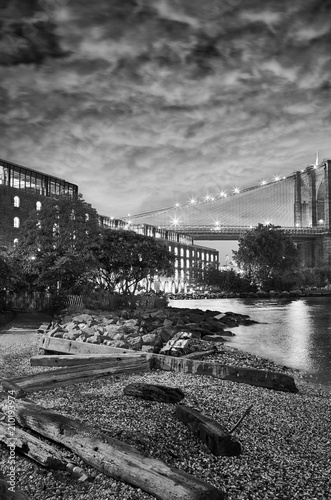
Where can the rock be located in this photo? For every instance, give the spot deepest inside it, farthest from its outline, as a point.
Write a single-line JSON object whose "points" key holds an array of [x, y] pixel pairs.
{"points": [[134, 343], [149, 338]]}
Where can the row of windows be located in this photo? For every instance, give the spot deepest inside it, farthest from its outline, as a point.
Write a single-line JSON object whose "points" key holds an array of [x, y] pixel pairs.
{"points": [[21, 178], [202, 254], [17, 203]]}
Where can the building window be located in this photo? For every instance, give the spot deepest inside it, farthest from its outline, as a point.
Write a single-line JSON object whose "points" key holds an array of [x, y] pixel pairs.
{"points": [[16, 201], [38, 205], [16, 222]]}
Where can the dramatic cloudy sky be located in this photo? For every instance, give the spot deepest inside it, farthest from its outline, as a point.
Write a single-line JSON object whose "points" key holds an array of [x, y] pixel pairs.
{"points": [[143, 103]]}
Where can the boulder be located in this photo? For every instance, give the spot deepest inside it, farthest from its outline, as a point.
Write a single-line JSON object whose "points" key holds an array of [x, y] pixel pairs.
{"points": [[149, 338]]}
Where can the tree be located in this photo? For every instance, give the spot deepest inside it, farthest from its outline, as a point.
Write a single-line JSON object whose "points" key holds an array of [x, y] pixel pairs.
{"points": [[266, 254], [54, 243], [124, 258]]}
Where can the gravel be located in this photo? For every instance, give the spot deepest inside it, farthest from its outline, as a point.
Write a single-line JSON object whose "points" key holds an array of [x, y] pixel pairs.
{"points": [[286, 438]]}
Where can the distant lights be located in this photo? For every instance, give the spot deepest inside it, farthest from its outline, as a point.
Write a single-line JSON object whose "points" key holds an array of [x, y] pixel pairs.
{"points": [[277, 178], [193, 201], [236, 190], [174, 221], [267, 222], [263, 182], [222, 194], [177, 205]]}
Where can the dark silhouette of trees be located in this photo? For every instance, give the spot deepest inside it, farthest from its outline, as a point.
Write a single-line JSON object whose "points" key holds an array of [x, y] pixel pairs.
{"points": [[268, 256]]}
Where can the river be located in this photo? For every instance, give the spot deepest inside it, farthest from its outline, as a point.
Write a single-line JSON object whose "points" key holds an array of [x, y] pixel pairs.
{"points": [[291, 332]]}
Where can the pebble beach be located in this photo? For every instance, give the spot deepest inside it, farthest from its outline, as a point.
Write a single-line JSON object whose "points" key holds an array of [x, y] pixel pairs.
{"points": [[286, 438]]}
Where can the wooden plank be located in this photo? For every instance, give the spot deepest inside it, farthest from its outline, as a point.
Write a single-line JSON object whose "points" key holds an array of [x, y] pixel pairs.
{"points": [[80, 359], [14, 389], [112, 457], [218, 440], [74, 347], [260, 378], [251, 376], [39, 451], [67, 376], [34, 448]]}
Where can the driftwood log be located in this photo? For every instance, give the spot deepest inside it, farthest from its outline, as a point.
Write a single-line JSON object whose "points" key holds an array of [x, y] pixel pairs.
{"points": [[81, 359], [270, 380], [39, 451], [112, 457], [218, 440], [67, 376], [154, 392]]}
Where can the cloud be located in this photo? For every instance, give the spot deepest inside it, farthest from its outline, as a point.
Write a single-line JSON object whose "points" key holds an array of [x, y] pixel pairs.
{"points": [[155, 100]]}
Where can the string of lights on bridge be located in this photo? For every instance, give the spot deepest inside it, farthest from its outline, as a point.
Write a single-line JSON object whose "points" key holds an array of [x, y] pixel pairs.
{"points": [[210, 198]]}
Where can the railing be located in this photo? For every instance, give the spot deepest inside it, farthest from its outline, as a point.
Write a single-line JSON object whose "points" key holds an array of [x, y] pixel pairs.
{"points": [[239, 229]]}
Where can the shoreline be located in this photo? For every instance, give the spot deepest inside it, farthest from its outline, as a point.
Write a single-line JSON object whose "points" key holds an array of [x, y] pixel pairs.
{"points": [[284, 438]]}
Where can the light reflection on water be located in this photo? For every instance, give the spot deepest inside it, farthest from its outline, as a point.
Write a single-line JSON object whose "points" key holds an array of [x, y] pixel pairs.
{"points": [[295, 333]]}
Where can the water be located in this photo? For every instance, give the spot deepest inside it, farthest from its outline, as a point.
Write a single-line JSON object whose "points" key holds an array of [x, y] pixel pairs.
{"points": [[295, 333]]}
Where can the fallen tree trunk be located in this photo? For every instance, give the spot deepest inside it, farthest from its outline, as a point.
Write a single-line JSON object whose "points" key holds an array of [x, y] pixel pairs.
{"points": [[218, 440], [270, 380], [112, 457], [67, 376], [154, 392], [80, 359]]}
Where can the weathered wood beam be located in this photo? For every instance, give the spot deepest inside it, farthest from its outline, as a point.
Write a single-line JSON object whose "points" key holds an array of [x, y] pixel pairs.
{"points": [[154, 392], [15, 390], [199, 354], [112, 457], [39, 451], [251, 376], [218, 440], [34, 448], [80, 359], [67, 376], [270, 380], [74, 347]]}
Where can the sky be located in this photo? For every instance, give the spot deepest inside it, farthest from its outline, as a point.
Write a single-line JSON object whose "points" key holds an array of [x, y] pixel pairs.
{"points": [[145, 103]]}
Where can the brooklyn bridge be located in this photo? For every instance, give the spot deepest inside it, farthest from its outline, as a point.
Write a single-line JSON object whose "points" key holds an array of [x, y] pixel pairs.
{"points": [[298, 203]]}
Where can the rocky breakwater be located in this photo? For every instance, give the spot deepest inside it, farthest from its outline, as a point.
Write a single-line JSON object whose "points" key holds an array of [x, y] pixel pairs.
{"points": [[173, 331]]}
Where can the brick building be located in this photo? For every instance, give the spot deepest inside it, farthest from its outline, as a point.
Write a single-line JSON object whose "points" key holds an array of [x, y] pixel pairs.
{"points": [[23, 189]]}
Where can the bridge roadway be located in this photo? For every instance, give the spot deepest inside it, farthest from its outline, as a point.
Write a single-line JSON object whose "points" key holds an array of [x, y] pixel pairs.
{"points": [[235, 232]]}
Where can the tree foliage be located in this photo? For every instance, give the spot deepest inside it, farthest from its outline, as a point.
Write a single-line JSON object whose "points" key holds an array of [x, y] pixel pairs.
{"points": [[268, 255], [124, 258], [226, 280], [54, 243]]}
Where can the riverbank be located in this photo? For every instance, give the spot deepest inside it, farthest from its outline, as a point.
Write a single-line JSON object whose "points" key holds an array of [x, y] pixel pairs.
{"points": [[317, 292], [285, 439]]}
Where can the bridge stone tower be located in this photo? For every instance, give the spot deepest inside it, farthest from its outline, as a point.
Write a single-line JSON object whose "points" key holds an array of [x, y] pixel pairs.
{"points": [[312, 208]]}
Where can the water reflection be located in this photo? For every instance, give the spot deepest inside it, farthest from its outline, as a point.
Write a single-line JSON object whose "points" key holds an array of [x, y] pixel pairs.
{"points": [[294, 333]]}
